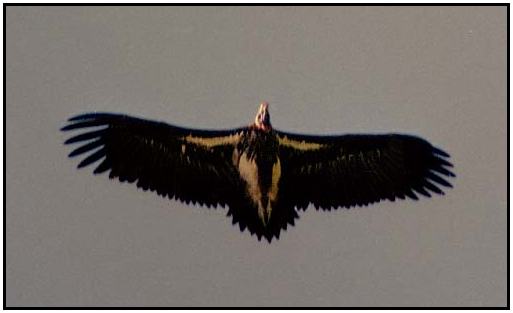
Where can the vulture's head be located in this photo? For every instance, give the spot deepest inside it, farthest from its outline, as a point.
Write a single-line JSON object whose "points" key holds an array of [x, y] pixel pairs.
{"points": [[263, 119]]}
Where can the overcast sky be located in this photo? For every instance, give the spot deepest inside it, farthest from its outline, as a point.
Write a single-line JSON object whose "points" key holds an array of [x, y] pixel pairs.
{"points": [[76, 239]]}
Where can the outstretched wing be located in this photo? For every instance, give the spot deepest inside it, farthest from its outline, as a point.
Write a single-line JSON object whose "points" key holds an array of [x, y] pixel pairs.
{"points": [[190, 165], [356, 170]]}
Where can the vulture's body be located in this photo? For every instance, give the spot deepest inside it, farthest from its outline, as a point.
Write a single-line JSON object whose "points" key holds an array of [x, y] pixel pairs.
{"points": [[264, 176]]}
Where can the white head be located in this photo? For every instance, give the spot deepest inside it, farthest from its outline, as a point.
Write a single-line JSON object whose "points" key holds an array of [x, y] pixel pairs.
{"points": [[263, 119]]}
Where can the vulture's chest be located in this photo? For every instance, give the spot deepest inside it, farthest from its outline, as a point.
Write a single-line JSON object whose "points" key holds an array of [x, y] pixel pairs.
{"points": [[257, 161]]}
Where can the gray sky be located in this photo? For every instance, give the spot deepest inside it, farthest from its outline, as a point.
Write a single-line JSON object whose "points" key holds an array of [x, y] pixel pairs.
{"points": [[75, 239]]}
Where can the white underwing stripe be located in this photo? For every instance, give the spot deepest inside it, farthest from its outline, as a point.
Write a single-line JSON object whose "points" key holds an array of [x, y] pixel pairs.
{"points": [[299, 145], [213, 141]]}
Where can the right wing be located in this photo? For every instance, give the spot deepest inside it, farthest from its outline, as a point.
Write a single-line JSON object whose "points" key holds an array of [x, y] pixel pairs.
{"points": [[187, 164]]}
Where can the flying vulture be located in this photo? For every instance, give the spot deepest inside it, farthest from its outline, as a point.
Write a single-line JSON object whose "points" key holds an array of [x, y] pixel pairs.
{"points": [[262, 175]]}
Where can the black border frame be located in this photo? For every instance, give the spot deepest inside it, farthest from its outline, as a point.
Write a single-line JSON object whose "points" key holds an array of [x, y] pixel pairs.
{"points": [[507, 5]]}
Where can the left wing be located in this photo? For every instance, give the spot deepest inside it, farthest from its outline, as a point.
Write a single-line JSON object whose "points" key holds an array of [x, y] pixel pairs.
{"points": [[188, 164], [356, 170]]}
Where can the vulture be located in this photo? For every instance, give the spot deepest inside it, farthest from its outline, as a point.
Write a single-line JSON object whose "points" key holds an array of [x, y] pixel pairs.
{"points": [[263, 176]]}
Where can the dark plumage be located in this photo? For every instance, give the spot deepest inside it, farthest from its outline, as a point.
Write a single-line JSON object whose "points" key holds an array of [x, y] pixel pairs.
{"points": [[264, 176]]}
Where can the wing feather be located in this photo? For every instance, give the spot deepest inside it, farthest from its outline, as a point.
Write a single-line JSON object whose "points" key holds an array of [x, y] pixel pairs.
{"points": [[190, 165], [357, 170]]}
